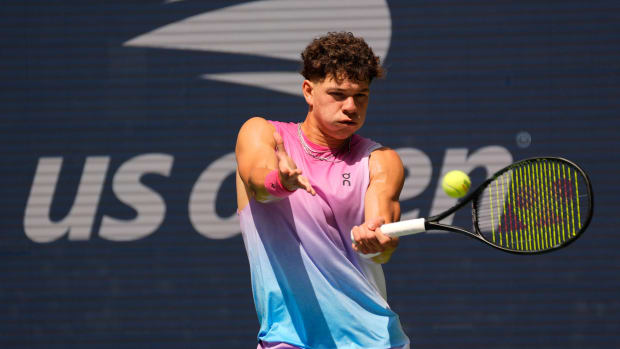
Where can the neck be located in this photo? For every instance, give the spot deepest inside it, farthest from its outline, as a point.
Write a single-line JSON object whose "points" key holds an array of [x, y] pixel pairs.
{"points": [[314, 134]]}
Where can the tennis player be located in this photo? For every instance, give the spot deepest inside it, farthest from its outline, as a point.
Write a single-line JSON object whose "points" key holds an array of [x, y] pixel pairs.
{"points": [[302, 188]]}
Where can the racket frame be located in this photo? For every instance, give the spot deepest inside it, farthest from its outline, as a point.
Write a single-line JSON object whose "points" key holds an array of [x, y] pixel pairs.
{"points": [[432, 223]]}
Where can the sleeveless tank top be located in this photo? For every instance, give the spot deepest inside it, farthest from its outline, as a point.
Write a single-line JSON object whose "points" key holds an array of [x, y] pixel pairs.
{"points": [[310, 288]]}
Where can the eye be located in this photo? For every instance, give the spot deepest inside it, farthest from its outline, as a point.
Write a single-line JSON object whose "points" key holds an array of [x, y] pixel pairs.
{"points": [[337, 95]]}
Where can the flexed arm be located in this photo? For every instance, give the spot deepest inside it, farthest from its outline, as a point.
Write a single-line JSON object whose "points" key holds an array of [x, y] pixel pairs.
{"points": [[260, 151], [381, 205]]}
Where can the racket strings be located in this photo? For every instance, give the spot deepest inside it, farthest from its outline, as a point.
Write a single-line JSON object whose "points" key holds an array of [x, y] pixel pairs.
{"points": [[534, 206]]}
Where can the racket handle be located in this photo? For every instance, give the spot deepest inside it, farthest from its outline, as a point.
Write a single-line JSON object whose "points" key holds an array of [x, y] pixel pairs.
{"points": [[396, 229], [402, 228]]}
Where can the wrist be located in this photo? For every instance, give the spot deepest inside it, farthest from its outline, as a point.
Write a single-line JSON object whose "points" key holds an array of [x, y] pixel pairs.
{"points": [[274, 185], [384, 256]]}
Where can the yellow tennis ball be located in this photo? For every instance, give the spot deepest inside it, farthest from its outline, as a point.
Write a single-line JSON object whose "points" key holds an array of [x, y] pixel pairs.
{"points": [[456, 183]]}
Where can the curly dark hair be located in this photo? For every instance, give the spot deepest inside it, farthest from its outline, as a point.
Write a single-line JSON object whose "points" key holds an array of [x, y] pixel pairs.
{"points": [[341, 55]]}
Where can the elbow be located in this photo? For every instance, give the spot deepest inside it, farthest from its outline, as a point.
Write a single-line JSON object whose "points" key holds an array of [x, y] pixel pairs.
{"points": [[261, 195]]}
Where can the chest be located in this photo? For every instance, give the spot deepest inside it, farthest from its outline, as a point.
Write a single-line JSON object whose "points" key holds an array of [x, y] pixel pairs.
{"points": [[340, 186]]}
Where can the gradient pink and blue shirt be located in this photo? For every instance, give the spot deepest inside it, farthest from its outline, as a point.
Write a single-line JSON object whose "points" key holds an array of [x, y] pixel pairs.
{"points": [[311, 289]]}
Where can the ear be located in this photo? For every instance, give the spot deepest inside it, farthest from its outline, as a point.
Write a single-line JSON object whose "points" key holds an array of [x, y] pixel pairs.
{"points": [[307, 87]]}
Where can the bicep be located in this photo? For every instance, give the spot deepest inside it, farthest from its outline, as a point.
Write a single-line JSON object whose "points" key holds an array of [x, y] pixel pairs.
{"points": [[387, 177], [255, 148]]}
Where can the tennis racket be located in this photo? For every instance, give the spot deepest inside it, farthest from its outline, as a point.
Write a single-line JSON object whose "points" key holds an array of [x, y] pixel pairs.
{"points": [[532, 206]]}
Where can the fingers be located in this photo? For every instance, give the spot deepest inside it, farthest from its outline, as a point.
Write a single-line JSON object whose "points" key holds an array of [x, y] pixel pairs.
{"points": [[288, 172], [292, 179], [283, 158], [284, 161], [286, 165], [279, 142], [305, 184], [367, 238], [356, 239], [291, 176], [300, 181]]}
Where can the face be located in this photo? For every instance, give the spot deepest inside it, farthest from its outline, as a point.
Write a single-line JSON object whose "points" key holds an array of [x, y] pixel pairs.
{"points": [[338, 108]]}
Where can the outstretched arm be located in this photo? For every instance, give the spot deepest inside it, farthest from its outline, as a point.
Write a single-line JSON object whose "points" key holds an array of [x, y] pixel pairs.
{"points": [[260, 150], [387, 177]]}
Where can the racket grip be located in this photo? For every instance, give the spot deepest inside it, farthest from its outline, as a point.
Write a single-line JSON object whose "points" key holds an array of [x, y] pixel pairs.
{"points": [[402, 228], [396, 229]]}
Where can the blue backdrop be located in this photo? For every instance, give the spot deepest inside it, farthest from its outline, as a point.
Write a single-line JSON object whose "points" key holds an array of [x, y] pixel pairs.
{"points": [[119, 119]]}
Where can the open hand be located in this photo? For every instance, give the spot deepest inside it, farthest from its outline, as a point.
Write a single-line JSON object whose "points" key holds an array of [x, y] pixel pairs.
{"points": [[290, 176]]}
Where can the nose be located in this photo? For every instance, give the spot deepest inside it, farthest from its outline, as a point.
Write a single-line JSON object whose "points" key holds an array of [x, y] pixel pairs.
{"points": [[348, 106]]}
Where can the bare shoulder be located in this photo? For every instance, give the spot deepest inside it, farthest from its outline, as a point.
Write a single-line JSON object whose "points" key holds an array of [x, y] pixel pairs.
{"points": [[256, 125], [255, 130], [385, 161]]}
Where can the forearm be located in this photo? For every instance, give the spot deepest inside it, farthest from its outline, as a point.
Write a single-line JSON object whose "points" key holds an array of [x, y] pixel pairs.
{"points": [[390, 212], [381, 205], [381, 201], [256, 182]]}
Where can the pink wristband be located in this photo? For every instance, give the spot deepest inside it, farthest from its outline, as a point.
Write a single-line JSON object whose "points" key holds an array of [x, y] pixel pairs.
{"points": [[275, 187]]}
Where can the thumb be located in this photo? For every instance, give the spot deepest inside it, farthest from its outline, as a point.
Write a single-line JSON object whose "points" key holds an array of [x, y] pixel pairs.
{"points": [[279, 143], [376, 223]]}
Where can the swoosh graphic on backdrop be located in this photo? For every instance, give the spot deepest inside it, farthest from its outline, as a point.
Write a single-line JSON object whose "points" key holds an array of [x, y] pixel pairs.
{"points": [[272, 28]]}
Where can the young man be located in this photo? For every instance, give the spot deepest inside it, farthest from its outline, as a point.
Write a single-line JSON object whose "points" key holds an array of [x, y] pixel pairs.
{"points": [[302, 190]]}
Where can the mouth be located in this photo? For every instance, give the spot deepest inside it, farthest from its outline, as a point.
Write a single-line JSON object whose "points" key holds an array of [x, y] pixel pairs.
{"points": [[348, 122]]}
